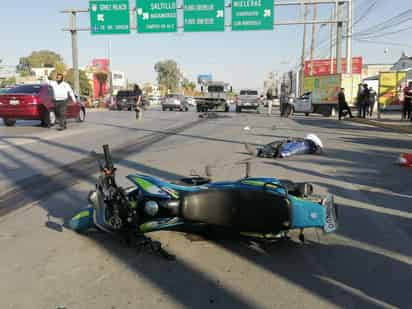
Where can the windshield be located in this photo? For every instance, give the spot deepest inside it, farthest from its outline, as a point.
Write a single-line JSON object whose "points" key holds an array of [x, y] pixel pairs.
{"points": [[215, 89], [28, 89], [125, 94], [177, 96], [248, 92]]}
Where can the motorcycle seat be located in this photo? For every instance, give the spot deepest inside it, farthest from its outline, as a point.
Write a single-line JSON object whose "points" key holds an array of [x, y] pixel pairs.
{"points": [[251, 210]]}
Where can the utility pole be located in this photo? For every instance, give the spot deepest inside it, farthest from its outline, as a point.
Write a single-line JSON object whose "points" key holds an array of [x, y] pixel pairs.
{"points": [[110, 68], [312, 44], [332, 29], [349, 39], [75, 51], [302, 60], [339, 26]]}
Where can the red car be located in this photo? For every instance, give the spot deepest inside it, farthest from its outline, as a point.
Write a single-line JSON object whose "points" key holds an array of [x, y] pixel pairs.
{"points": [[35, 102]]}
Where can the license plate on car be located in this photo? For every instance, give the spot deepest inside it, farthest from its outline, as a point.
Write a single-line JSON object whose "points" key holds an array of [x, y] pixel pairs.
{"points": [[14, 102]]}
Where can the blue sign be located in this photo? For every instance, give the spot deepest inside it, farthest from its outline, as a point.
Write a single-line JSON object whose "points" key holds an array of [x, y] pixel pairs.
{"points": [[204, 78]]}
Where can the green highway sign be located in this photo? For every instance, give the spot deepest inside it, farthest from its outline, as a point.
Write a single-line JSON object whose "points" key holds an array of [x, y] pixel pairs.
{"points": [[109, 16], [156, 16], [204, 15], [252, 15]]}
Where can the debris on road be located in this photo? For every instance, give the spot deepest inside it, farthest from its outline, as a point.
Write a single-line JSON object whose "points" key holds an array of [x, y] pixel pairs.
{"points": [[405, 159], [310, 144], [209, 115]]}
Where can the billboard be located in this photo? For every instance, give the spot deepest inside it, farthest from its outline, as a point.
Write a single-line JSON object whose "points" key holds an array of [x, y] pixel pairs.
{"points": [[324, 89], [391, 85], [101, 69], [204, 78], [322, 67]]}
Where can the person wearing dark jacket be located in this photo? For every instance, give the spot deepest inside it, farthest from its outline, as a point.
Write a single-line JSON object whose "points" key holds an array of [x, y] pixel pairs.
{"points": [[359, 99], [364, 100], [343, 105], [137, 93], [372, 101], [407, 103]]}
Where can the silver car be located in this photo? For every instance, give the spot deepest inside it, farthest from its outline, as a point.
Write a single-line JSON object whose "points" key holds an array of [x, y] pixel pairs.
{"points": [[248, 99], [176, 102]]}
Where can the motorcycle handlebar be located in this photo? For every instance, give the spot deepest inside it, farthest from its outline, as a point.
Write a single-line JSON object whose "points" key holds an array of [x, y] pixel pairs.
{"points": [[107, 157]]}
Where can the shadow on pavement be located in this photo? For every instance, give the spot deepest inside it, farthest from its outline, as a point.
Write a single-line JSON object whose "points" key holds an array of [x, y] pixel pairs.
{"points": [[344, 275]]}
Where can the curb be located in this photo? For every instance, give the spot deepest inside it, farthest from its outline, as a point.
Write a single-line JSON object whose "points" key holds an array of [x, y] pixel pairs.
{"points": [[400, 128], [91, 110]]}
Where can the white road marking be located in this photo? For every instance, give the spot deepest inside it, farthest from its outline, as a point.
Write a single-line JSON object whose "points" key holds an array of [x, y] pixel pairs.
{"points": [[8, 142], [354, 291]]}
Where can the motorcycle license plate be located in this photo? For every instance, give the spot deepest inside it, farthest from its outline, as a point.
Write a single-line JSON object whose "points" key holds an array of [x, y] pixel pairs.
{"points": [[14, 102], [331, 222]]}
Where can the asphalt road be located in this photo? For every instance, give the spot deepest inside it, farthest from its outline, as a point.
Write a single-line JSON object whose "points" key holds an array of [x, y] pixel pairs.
{"points": [[367, 264]]}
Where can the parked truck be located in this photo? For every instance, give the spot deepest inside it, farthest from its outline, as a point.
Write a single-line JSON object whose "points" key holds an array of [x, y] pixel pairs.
{"points": [[214, 97], [321, 93]]}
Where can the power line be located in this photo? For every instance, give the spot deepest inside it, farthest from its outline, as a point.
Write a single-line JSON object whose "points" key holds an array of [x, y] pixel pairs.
{"points": [[368, 10], [366, 41], [380, 35], [392, 22]]}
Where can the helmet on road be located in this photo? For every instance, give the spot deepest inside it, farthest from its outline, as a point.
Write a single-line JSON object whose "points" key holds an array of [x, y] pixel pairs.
{"points": [[315, 139]]}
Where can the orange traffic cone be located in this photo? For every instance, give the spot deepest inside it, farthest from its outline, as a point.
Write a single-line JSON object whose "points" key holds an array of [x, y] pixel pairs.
{"points": [[405, 159]]}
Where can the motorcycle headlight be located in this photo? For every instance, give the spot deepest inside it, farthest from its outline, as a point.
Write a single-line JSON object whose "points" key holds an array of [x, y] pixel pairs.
{"points": [[151, 208]]}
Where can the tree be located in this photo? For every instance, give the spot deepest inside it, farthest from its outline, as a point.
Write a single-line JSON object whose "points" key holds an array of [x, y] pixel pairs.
{"points": [[38, 59], [85, 88], [188, 86], [102, 79], [168, 74], [7, 82], [59, 68], [147, 88]]}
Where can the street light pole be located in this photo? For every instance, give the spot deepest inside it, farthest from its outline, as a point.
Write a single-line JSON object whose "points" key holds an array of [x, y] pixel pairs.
{"points": [[312, 44], [110, 68], [332, 29], [75, 51], [339, 26], [349, 39], [302, 60]]}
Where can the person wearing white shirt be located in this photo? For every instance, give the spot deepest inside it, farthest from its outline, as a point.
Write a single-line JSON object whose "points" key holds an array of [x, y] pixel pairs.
{"points": [[62, 91]]}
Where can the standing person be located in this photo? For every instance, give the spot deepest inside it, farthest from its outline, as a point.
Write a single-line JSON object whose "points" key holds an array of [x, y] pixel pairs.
{"points": [[407, 103], [137, 93], [269, 98], [359, 100], [62, 91], [343, 105], [372, 101], [364, 100]]}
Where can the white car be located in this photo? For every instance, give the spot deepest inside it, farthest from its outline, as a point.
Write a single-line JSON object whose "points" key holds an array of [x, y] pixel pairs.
{"points": [[191, 101], [303, 104], [155, 100]]}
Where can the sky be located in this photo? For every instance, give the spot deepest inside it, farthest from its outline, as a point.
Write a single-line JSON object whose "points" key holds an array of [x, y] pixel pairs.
{"points": [[243, 59]]}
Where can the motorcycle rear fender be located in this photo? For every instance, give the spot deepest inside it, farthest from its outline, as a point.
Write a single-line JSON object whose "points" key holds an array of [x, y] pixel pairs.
{"points": [[307, 214]]}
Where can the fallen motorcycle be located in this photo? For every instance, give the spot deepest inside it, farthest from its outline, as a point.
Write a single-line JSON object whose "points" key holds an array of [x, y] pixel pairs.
{"points": [[266, 207]]}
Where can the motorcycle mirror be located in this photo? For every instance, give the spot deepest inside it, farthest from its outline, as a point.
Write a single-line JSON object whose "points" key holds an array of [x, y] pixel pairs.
{"points": [[248, 169]]}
